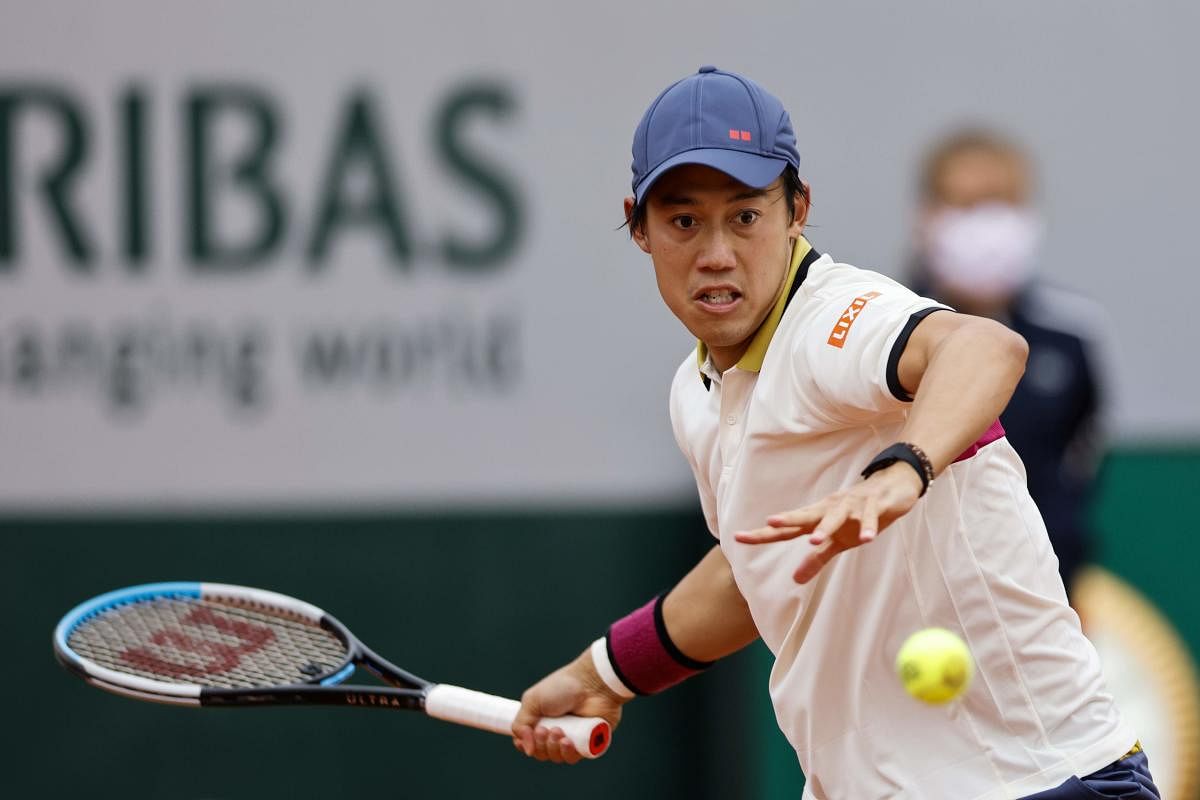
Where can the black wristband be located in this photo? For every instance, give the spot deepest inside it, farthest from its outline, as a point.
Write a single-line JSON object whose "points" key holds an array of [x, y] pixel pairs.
{"points": [[908, 453]]}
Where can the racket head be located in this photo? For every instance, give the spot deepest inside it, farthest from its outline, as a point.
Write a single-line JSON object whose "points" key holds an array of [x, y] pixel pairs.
{"points": [[173, 642]]}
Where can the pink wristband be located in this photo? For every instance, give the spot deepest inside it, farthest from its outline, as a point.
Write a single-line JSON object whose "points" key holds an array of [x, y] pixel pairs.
{"points": [[643, 655]]}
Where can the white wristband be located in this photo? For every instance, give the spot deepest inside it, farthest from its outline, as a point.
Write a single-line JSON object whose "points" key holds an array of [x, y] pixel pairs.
{"points": [[604, 669]]}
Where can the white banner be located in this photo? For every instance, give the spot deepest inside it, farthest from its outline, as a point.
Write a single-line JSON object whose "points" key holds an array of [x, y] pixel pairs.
{"points": [[366, 254]]}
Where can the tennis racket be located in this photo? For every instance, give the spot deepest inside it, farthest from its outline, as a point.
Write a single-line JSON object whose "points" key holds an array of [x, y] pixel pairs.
{"points": [[212, 644]]}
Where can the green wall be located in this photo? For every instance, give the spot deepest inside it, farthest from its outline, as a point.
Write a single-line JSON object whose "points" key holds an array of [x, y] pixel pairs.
{"points": [[490, 602], [1148, 520]]}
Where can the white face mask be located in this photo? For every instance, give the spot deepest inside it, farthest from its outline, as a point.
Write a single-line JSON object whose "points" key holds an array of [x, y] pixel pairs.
{"points": [[986, 251]]}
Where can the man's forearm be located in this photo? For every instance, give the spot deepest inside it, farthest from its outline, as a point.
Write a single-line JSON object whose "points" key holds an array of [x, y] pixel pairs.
{"points": [[967, 382], [705, 614]]}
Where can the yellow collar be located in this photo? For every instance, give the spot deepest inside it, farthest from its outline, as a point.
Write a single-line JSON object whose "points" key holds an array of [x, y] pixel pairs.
{"points": [[752, 359]]}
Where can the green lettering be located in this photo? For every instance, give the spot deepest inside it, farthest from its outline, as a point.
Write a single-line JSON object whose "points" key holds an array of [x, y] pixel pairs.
{"points": [[360, 144], [250, 173], [57, 178], [133, 195], [495, 187]]}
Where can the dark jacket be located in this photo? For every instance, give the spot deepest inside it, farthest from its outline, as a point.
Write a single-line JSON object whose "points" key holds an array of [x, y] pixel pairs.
{"points": [[1053, 417]]}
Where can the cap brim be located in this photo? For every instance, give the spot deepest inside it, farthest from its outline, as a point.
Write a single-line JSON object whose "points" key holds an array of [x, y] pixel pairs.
{"points": [[751, 169]]}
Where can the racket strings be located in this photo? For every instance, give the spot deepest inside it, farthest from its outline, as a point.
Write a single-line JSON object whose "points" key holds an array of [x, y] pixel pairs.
{"points": [[184, 640]]}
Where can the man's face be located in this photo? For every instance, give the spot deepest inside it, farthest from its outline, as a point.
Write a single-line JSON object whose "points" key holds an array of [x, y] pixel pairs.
{"points": [[721, 251]]}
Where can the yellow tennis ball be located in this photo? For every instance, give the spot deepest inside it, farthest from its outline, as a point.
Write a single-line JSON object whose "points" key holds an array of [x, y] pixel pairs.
{"points": [[935, 665]]}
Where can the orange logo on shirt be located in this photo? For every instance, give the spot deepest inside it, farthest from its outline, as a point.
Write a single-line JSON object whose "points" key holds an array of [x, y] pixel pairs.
{"points": [[837, 336]]}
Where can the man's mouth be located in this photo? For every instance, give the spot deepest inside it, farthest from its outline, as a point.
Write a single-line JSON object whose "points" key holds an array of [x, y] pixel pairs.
{"points": [[718, 298]]}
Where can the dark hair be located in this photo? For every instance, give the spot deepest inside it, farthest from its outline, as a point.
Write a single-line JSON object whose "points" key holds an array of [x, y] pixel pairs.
{"points": [[792, 186]]}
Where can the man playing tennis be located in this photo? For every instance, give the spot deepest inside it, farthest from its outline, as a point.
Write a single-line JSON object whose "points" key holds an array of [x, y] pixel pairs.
{"points": [[844, 439]]}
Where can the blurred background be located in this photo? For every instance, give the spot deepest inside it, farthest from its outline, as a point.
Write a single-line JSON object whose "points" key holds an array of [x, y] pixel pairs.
{"points": [[330, 298]]}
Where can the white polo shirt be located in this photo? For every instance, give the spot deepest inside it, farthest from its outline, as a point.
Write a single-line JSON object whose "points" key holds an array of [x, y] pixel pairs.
{"points": [[813, 400]]}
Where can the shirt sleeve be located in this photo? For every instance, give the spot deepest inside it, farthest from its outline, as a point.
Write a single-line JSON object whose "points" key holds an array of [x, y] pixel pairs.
{"points": [[853, 352]]}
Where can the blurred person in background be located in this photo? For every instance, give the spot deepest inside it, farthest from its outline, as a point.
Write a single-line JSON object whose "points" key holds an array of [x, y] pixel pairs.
{"points": [[977, 249]]}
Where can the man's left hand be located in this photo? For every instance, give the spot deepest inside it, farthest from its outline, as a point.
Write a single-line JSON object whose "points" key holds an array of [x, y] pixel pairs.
{"points": [[844, 519]]}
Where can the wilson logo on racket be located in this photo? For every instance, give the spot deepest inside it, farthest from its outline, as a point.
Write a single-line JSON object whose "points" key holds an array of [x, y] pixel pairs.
{"points": [[837, 336], [220, 657]]}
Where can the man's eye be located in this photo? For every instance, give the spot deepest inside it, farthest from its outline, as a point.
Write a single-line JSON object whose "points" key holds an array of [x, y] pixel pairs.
{"points": [[684, 222], [747, 217]]}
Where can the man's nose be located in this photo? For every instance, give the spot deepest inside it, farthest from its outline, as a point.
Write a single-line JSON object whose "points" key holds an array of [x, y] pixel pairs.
{"points": [[716, 250]]}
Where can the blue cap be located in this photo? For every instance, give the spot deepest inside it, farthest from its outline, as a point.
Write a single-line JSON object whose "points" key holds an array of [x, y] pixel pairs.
{"points": [[718, 119]]}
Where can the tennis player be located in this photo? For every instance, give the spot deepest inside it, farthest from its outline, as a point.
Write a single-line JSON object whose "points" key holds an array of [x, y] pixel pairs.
{"points": [[844, 438]]}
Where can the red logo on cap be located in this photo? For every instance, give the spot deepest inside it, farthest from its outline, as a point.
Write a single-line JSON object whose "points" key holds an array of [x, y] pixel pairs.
{"points": [[736, 135]]}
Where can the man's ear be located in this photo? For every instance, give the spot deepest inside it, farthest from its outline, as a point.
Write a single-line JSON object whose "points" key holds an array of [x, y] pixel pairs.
{"points": [[638, 234], [800, 219]]}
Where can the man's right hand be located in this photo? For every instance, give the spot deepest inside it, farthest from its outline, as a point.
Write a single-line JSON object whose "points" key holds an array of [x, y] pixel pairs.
{"points": [[574, 689]]}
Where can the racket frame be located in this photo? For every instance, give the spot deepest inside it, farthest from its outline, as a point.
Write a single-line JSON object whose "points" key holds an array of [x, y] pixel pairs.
{"points": [[404, 690]]}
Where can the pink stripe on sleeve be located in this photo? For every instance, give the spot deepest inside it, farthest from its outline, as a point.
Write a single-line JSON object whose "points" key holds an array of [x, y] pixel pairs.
{"points": [[996, 431]]}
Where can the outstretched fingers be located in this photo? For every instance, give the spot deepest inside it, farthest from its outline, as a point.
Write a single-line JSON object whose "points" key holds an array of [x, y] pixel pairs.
{"points": [[837, 523], [815, 561], [868, 521], [831, 522], [784, 526], [769, 534]]}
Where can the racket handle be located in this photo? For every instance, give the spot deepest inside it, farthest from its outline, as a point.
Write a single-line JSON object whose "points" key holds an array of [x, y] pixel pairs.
{"points": [[590, 735]]}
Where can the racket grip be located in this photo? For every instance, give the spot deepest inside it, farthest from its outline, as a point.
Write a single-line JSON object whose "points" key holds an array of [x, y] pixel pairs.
{"points": [[590, 735]]}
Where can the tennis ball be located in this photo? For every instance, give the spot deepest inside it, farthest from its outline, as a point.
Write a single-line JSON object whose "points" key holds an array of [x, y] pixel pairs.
{"points": [[935, 665]]}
